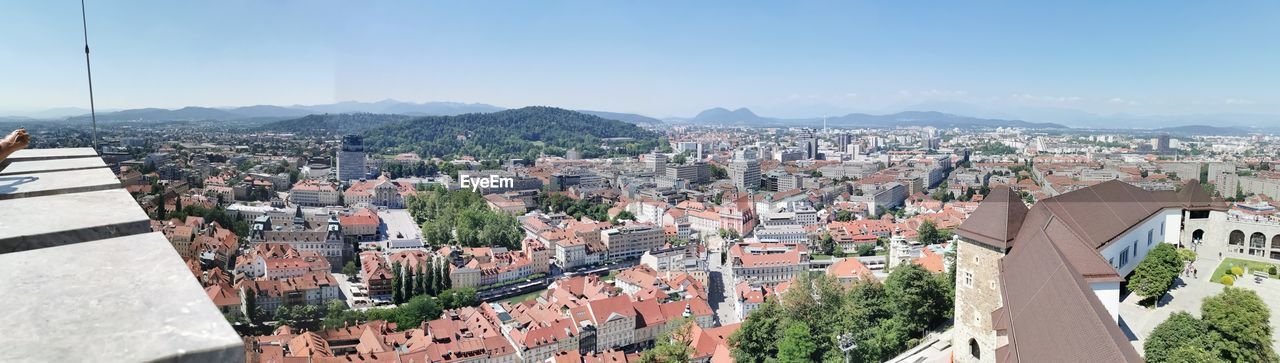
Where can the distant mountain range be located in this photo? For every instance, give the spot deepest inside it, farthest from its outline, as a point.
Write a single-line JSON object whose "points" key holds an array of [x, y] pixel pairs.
{"points": [[624, 117], [744, 117], [942, 114], [195, 113]]}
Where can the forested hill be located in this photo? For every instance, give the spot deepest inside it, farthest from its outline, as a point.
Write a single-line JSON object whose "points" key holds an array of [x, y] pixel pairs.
{"points": [[335, 124], [522, 132]]}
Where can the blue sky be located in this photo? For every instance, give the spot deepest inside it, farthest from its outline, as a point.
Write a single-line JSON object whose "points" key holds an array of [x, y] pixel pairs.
{"points": [[657, 58]]}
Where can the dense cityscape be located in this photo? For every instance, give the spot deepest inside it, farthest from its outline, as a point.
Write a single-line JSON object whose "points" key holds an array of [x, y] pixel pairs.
{"points": [[568, 181], [713, 242]]}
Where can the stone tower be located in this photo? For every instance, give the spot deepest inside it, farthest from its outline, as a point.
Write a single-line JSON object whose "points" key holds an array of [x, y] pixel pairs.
{"points": [[985, 237]]}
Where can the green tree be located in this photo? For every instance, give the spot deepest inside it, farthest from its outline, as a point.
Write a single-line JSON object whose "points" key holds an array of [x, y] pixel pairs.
{"points": [[397, 284], [680, 158], [887, 339], [674, 346], [754, 341], [457, 298], [827, 245], [349, 269], [797, 344], [251, 305], [929, 233], [918, 298], [866, 249], [410, 274], [1155, 274], [424, 284], [844, 215], [1243, 319], [1180, 329], [160, 212], [1193, 353], [415, 311]]}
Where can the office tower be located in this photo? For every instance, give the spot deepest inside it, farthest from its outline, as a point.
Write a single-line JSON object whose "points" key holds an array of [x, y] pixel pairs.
{"points": [[351, 159], [656, 163], [744, 170], [809, 143]]}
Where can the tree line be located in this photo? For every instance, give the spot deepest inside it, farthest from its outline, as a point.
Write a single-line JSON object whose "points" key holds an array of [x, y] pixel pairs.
{"points": [[429, 278], [817, 313]]}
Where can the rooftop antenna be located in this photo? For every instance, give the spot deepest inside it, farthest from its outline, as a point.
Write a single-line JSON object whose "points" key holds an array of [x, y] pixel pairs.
{"points": [[93, 114]]}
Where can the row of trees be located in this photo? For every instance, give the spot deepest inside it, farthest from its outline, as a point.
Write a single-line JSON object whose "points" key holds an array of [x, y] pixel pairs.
{"points": [[429, 278], [1235, 327], [1155, 274], [816, 313], [461, 217]]}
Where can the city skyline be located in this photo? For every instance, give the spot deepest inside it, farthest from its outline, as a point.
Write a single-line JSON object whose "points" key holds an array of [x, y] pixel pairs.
{"points": [[664, 60]]}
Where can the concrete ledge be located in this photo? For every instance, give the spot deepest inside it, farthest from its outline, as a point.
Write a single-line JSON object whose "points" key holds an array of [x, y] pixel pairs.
{"points": [[46, 154], [57, 182], [55, 220], [48, 165], [125, 299]]}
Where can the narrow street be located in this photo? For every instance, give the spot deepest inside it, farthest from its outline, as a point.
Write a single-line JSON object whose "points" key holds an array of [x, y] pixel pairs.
{"points": [[720, 292]]}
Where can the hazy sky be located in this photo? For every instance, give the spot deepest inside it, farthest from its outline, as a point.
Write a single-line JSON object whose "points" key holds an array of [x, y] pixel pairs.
{"points": [[785, 58]]}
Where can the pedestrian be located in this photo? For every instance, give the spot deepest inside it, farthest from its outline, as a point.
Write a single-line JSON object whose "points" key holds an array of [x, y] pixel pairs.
{"points": [[1195, 273], [1219, 255]]}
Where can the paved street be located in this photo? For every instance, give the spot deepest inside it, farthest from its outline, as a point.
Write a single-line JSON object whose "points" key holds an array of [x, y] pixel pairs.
{"points": [[721, 290], [346, 288]]}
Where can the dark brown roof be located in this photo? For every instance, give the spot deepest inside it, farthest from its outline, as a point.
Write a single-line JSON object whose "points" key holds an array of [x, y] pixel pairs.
{"points": [[997, 220], [1193, 196], [1050, 313], [1099, 213]]}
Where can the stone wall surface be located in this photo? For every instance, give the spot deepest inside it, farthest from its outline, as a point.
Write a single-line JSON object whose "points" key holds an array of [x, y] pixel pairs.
{"points": [[85, 279]]}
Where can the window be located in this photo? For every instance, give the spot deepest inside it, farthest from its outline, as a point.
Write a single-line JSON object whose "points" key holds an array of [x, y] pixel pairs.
{"points": [[968, 279], [974, 350], [1135, 249], [1124, 257], [1150, 235]]}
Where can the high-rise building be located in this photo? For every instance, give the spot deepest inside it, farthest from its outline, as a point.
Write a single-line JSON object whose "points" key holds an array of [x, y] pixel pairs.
{"points": [[843, 139], [656, 162], [1162, 144], [744, 170], [351, 159], [809, 143]]}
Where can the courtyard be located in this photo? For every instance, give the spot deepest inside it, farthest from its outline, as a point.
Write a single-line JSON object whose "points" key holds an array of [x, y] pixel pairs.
{"points": [[1189, 292]]}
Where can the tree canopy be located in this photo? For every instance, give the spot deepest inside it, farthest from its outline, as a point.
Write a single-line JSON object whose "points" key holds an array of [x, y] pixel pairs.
{"points": [[806, 322], [522, 133], [1235, 328], [1156, 273], [462, 217]]}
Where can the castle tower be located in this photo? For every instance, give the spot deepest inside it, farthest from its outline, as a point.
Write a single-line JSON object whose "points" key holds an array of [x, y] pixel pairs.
{"points": [[984, 238]]}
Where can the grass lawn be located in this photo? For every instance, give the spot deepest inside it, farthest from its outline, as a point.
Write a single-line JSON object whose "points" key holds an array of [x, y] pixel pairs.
{"points": [[521, 298], [1248, 266]]}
